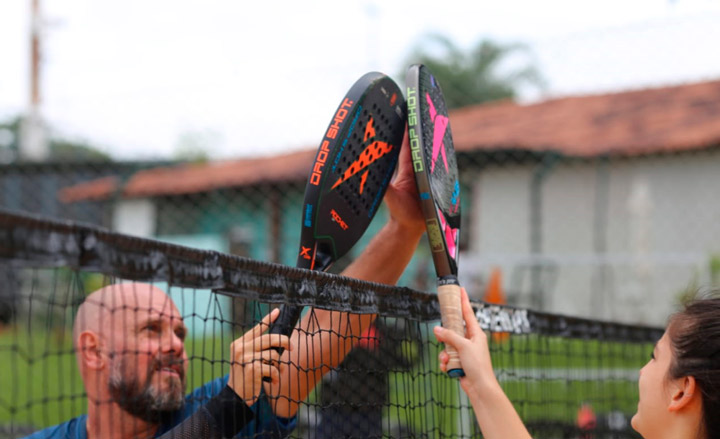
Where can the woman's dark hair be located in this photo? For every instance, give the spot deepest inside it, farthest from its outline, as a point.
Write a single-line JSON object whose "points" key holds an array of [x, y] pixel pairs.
{"points": [[695, 338]]}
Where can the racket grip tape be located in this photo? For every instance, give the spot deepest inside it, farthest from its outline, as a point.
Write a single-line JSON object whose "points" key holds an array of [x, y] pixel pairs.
{"points": [[451, 315]]}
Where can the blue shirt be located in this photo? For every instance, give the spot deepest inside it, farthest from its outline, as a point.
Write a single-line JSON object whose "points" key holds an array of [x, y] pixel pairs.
{"points": [[265, 424]]}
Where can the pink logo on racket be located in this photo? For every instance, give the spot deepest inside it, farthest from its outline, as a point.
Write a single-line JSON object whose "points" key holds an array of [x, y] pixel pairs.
{"points": [[441, 123], [450, 234]]}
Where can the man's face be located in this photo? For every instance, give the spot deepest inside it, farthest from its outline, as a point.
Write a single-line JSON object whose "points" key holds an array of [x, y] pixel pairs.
{"points": [[147, 373]]}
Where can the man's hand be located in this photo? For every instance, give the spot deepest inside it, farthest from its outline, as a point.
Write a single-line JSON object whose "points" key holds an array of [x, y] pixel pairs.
{"points": [[252, 358], [327, 336], [402, 197]]}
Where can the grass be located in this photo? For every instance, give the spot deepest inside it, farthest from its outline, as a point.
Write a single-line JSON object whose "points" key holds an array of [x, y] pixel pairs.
{"points": [[41, 386], [575, 372]]}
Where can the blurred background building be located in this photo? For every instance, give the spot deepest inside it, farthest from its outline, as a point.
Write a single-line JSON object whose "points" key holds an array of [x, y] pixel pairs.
{"points": [[588, 139]]}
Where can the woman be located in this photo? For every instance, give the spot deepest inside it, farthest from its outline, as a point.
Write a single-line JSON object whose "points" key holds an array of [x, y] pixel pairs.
{"points": [[679, 386]]}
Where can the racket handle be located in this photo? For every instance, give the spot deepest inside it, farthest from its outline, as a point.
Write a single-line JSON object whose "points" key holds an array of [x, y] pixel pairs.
{"points": [[286, 321], [451, 315], [284, 324]]}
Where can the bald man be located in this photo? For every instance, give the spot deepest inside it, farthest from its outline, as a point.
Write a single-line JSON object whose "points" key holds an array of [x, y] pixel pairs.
{"points": [[132, 360], [143, 393]]}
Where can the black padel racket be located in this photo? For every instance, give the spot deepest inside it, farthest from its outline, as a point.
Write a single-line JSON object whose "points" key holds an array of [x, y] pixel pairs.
{"points": [[349, 177], [436, 176]]}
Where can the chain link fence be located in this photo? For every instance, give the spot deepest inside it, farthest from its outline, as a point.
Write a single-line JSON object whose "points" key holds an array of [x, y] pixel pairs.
{"points": [[601, 206]]}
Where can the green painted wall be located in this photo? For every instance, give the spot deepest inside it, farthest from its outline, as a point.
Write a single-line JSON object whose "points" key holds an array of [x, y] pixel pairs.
{"points": [[216, 213]]}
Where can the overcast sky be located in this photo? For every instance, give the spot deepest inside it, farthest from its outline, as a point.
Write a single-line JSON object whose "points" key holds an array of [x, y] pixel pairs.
{"points": [[136, 77]]}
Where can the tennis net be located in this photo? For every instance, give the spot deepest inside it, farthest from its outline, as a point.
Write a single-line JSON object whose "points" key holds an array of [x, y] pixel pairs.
{"points": [[568, 377]]}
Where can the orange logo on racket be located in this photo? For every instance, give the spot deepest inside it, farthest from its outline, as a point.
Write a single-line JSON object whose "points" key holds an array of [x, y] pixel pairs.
{"points": [[336, 217], [305, 252], [370, 154]]}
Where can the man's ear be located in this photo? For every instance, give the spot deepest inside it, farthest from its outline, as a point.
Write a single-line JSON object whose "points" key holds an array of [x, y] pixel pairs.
{"points": [[88, 346], [684, 392]]}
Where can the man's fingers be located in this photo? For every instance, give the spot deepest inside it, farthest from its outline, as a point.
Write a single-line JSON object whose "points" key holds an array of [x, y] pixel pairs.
{"points": [[268, 341], [263, 325], [261, 369], [404, 158], [267, 356], [272, 372], [270, 356]]}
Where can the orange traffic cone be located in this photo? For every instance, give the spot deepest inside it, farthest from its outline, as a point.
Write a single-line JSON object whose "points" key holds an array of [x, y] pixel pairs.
{"points": [[494, 294]]}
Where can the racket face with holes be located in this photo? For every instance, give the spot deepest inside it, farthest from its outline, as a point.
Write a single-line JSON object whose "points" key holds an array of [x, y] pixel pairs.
{"points": [[349, 176], [352, 169], [436, 175], [435, 167]]}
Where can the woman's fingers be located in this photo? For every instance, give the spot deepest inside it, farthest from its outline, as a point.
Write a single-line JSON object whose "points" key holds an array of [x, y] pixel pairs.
{"points": [[450, 337], [443, 359], [471, 324]]}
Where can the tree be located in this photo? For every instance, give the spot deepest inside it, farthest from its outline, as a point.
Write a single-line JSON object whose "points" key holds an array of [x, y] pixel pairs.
{"points": [[486, 73], [61, 150]]}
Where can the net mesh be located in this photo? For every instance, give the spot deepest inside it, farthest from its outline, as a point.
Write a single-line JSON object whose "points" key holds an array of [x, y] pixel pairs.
{"points": [[568, 377]]}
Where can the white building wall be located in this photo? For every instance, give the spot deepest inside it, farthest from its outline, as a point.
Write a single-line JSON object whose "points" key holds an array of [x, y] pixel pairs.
{"points": [[136, 217], [619, 242], [499, 226]]}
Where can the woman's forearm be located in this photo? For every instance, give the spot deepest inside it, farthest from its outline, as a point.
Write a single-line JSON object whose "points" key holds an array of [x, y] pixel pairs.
{"points": [[495, 414]]}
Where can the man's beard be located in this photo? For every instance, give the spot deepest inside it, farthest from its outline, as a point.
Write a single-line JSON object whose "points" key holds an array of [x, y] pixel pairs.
{"points": [[146, 401]]}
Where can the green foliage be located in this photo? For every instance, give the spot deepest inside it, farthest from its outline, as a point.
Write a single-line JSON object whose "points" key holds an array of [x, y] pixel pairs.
{"points": [[193, 146], [61, 150], [67, 151], [9, 138], [715, 270], [480, 75], [688, 294], [695, 287]]}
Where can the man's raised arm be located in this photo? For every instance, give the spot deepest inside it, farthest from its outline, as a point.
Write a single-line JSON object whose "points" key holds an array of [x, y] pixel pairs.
{"points": [[325, 337]]}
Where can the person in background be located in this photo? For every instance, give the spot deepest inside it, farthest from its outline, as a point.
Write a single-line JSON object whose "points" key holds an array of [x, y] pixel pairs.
{"points": [[353, 396]]}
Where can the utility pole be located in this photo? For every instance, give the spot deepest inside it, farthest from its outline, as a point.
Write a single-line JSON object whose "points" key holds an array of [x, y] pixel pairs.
{"points": [[33, 136]]}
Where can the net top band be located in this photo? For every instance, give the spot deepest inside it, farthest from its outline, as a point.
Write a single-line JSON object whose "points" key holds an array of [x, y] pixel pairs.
{"points": [[29, 241]]}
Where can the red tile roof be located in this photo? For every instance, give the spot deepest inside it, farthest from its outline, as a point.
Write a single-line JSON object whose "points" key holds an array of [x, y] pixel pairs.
{"points": [[660, 120], [669, 119], [193, 178]]}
